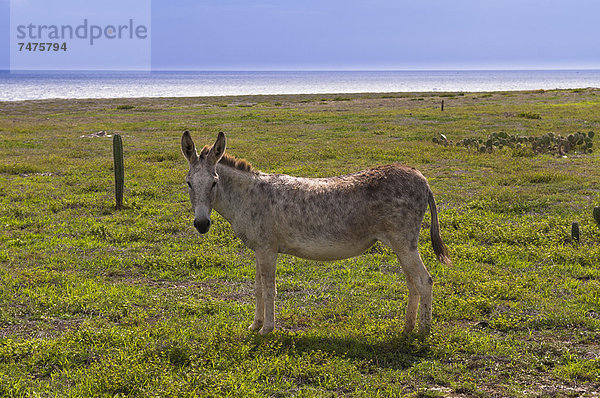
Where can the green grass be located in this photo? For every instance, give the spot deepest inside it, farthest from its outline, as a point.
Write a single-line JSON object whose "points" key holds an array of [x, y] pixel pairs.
{"points": [[98, 302]]}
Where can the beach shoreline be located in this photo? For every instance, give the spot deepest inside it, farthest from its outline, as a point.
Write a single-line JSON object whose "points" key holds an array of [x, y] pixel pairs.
{"points": [[41, 85]]}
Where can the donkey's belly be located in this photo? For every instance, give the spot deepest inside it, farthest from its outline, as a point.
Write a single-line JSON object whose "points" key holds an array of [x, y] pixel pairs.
{"points": [[325, 251]]}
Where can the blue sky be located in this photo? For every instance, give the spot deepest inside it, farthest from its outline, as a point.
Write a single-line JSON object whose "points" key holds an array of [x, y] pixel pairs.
{"points": [[368, 34]]}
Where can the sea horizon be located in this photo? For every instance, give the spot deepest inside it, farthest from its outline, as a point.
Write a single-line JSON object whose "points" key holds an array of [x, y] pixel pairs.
{"points": [[84, 84], [298, 70]]}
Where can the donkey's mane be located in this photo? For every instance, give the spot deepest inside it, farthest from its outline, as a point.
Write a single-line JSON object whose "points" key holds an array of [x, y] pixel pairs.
{"points": [[231, 161]]}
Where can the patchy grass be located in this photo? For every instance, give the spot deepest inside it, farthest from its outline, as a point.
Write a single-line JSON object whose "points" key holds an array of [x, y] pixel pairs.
{"points": [[98, 302], [530, 115]]}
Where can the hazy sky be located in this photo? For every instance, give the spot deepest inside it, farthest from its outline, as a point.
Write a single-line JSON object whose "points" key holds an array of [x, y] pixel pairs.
{"points": [[367, 34]]}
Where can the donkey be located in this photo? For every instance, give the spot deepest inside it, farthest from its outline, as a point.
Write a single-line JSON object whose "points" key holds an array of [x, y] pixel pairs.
{"points": [[317, 219]]}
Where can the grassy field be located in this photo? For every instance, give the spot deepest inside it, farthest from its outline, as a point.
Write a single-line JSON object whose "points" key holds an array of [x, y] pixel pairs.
{"points": [[98, 302]]}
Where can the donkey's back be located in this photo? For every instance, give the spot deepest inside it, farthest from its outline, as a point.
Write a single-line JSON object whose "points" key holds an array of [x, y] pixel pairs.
{"points": [[340, 217]]}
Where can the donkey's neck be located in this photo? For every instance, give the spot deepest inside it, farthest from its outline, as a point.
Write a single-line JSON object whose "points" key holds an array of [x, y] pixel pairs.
{"points": [[234, 191]]}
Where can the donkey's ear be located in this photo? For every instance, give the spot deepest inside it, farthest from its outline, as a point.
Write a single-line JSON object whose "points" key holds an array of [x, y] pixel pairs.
{"points": [[218, 149], [188, 148]]}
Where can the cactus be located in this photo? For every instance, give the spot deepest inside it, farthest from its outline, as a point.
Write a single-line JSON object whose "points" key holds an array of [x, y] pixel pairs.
{"points": [[596, 214], [119, 170], [575, 231], [547, 143]]}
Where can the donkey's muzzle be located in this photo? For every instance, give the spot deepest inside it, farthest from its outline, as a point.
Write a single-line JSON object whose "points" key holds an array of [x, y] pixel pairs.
{"points": [[202, 225]]}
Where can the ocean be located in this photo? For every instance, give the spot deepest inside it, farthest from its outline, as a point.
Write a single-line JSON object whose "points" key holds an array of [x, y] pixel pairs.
{"points": [[48, 85]]}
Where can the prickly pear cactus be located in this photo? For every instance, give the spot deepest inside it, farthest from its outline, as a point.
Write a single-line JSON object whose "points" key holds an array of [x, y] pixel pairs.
{"points": [[548, 143]]}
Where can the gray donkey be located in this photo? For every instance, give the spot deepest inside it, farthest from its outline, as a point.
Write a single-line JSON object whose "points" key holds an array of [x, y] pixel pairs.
{"points": [[316, 218]]}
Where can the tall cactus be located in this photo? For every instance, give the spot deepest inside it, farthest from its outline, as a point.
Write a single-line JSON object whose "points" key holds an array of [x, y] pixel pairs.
{"points": [[596, 215], [575, 232], [119, 170]]}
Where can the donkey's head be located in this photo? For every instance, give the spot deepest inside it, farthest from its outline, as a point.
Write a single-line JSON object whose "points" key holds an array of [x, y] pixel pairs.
{"points": [[202, 177]]}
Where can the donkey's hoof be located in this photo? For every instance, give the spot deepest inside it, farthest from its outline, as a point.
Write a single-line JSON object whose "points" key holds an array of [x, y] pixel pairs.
{"points": [[407, 330], [266, 330], [424, 332], [255, 327]]}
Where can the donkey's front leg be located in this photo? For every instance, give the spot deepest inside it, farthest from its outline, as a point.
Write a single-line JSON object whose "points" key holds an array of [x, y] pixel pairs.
{"points": [[266, 261], [259, 312]]}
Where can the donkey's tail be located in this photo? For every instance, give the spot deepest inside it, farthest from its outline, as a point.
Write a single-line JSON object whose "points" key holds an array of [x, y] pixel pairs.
{"points": [[440, 249]]}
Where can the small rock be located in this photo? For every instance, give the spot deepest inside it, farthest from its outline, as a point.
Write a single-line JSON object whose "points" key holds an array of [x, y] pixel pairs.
{"points": [[101, 133]]}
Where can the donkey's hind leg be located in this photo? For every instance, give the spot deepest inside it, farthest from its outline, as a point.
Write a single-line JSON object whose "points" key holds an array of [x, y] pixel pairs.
{"points": [[420, 288], [412, 306], [413, 265]]}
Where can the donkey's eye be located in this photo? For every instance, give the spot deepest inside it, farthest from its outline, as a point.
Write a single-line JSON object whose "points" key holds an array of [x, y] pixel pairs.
{"points": [[189, 185], [213, 184]]}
